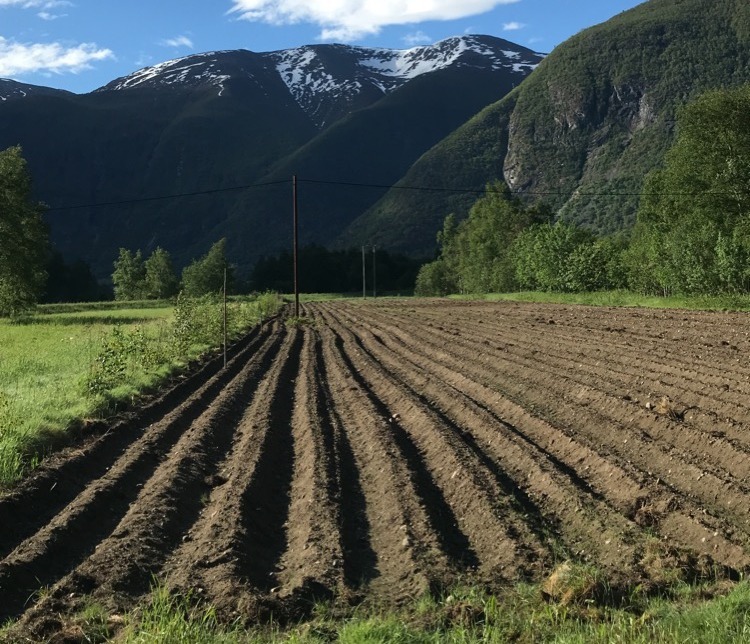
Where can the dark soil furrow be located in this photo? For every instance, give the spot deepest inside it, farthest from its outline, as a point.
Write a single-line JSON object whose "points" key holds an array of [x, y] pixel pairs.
{"points": [[164, 508], [694, 386], [532, 391], [314, 550], [676, 440], [408, 554], [729, 460], [232, 552], [482, 503], [36, 501], [359, 558], [491, 433], [705, 376], [727, 550]]}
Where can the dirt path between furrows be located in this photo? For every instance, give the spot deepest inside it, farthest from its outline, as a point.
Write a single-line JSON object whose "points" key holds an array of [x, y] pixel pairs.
{"points": [[384, 449]]}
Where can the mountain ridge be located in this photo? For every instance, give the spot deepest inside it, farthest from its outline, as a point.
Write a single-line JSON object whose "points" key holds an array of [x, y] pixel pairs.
{"points": [[309, 73]]}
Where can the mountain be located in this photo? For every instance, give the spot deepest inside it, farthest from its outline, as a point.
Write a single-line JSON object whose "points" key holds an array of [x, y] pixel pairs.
{"points": [[219, 122], [583, 130], [11, 90]]}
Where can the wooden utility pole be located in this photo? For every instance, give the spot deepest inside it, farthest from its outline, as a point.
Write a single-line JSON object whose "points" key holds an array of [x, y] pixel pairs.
{"points": [[296, 221], [364, 275], [225, 317]]}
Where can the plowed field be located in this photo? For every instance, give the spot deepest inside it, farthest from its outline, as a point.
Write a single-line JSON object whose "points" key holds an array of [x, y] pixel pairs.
{"points": [[387, 448]]}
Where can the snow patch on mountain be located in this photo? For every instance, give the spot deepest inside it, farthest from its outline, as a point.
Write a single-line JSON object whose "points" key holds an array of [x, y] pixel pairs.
{"points": [[313, 78], [199, 70]]}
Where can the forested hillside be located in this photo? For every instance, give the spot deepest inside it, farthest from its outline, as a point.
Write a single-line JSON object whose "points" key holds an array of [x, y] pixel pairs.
{"points": [[692, 235], [585, 128]]}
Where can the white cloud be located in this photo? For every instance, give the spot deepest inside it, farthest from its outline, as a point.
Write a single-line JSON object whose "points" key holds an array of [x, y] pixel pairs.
{"points": [[416, 38], [36, 4], [23, 58], [352, 19], [46, 15], [513, 26], [180, 41]]}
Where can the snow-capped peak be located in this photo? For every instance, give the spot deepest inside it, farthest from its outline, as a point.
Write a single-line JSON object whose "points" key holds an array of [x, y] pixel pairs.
{"points": [[212, 68], [313, 71]]}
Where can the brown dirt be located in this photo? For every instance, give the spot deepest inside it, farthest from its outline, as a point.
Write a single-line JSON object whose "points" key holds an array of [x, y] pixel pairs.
{"points": [[390, 448]]}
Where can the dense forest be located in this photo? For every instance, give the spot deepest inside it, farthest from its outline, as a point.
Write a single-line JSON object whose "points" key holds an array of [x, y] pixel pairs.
{"points": [[692, 233]]}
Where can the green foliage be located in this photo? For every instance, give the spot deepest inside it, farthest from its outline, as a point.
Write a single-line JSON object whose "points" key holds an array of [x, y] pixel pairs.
{"points": [[121, 352], [160, 278], [23, 237], [562, 257], [693, 230], [440, 277], [171, 618], [476, 254], [435, 279], [205, 276], [197, 321], [136, 279], [471, 615], [504, 245], [129, 276]]}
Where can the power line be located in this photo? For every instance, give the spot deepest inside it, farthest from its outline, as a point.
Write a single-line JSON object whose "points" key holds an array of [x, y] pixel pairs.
{"points": [[352, 184], [124, 202]]}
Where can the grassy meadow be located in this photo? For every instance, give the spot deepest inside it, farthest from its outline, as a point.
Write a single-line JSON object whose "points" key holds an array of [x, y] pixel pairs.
{"points": [[68, 363]]}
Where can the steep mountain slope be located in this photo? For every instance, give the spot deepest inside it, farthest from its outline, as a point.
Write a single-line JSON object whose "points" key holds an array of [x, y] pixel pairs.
{"points": [[236, 118], [585, 128], [375, 145]]}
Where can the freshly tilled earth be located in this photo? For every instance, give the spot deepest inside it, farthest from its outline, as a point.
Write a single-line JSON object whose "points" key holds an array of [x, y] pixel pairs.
{"points": [[383, 449]]}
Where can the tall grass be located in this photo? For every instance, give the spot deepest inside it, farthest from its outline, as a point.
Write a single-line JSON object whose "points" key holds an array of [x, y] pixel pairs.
{"points": [[711, 613]]}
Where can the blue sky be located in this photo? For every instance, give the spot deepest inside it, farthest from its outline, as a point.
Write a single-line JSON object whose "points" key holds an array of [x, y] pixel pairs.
{"points": [[80, 45]]}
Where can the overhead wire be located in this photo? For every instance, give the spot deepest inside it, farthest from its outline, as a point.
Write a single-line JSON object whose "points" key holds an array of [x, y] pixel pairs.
{"points": [[477, 191]]}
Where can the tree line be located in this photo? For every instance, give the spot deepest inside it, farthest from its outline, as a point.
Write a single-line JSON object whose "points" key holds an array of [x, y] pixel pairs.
{"points": [[692, 234], [336, 271], [156, 278]]}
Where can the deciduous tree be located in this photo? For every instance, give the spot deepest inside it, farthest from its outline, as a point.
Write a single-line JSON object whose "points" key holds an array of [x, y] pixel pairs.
{"points": [[160, 277], [129, 276], [23, 236], [206, 275]]}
